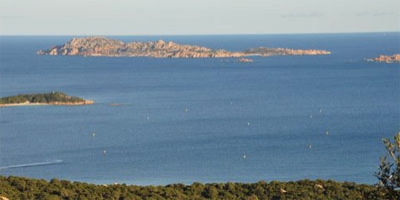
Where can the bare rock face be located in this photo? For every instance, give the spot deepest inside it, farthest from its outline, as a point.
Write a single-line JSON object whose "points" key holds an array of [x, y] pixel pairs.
{"points": [[90, 46], [395, 58], [101, 46]]}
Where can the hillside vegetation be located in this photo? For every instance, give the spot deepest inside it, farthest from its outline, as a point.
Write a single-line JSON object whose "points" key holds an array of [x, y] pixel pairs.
{"points": [[25, 188]]}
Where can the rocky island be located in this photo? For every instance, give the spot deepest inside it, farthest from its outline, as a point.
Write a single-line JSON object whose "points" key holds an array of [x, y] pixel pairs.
{"points": [[102, 46], [52, 98], [395, 58]]}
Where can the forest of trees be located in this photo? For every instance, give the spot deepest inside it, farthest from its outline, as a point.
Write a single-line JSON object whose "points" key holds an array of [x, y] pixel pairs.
{"points": [[24, 188]]}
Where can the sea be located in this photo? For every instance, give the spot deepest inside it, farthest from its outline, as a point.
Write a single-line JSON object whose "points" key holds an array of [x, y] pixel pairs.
{"points": [[159, 121]]}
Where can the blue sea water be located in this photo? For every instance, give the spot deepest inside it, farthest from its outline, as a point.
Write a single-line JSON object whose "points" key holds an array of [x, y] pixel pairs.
{"points": [[161, 121]]}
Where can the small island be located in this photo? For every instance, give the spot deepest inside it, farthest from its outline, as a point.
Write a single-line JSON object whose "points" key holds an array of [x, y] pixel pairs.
{"points": [[102, 46], [52, 98], [395, 58]]}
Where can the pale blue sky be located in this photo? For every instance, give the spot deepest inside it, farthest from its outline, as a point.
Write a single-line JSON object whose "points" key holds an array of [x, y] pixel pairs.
{"points": [[177, 17]]}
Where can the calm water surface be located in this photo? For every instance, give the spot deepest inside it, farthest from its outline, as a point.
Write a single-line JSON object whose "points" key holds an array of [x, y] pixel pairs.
{"points": [[204, 120]]}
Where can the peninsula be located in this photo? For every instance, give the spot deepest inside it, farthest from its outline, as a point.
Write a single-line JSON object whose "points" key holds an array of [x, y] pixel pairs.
{"points": [[395, 58], [52, 98], [102, 46]]}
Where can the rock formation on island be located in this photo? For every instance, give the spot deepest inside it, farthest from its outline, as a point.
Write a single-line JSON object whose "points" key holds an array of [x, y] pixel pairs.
{"points": [[395, 58], [52, 98], [102, 46], [264, 51]]}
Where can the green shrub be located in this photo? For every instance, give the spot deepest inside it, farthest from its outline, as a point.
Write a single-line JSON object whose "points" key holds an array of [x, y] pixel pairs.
{"points": [[389, 169]]}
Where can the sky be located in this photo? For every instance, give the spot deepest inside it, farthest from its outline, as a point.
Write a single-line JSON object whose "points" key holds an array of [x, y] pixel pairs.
{"points": [[196, 17]]}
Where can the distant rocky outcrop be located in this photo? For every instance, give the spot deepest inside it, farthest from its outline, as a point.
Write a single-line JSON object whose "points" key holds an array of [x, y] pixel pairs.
{"points": [[264, 51], [102, 46], [395, 58]]}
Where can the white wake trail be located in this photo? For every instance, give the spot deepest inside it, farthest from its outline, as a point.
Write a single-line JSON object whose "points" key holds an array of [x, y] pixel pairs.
{"points": [[53, 162]]}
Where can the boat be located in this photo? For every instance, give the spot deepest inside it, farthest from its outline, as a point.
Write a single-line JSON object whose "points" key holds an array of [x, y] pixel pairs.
{"points": [[245, 60]]}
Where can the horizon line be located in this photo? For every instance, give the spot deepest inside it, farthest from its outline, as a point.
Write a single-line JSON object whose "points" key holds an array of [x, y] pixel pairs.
{"points": [[212, 34]]}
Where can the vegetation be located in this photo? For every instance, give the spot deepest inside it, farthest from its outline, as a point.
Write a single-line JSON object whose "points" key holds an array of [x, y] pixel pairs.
{"points": [[41, 98], [25, 188], [389, 169]]}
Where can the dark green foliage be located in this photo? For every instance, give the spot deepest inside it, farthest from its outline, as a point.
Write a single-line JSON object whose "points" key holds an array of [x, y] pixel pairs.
{"points": [[24, 188], [40, 98], [389, 169]]}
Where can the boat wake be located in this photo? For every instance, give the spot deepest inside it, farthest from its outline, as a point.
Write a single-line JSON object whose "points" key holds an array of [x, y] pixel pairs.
{"points": [[53, 162]]}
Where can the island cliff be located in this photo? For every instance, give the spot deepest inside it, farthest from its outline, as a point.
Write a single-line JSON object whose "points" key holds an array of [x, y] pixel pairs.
{"points": [[52, 98], [102, 46]]}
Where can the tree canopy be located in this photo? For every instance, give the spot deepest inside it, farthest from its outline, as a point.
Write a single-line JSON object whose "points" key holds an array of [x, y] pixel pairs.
{"points": [[389, 169], [24, 188]]}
